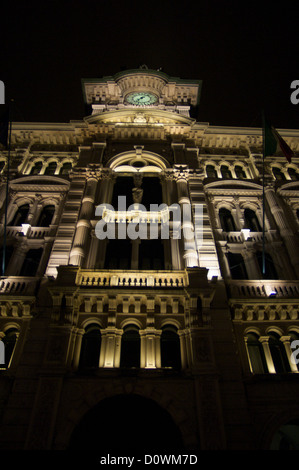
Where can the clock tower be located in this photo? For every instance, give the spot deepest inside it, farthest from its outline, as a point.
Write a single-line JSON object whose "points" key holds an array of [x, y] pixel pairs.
{"points": [[142, 88]]}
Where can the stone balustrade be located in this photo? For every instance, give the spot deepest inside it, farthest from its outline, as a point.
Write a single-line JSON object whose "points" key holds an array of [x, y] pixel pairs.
{"points": [[18, 285], [119, 278], [263, 288]]}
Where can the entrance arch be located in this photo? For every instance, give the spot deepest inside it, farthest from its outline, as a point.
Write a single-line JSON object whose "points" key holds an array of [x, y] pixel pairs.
{"points": [[126, 422]]}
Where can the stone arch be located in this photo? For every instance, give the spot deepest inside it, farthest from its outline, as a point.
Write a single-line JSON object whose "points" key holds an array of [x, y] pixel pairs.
{"points": [[274, 423], [127, 158], [179, 408], [128, 422]]}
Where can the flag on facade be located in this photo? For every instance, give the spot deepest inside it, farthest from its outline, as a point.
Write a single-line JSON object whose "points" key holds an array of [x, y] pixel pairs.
{"points": [[4, 124], [273, 142]]}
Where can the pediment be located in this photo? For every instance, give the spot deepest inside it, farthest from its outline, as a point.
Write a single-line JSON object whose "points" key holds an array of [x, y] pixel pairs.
{"points": [[140, 117], [233, 187], [53, 183]]}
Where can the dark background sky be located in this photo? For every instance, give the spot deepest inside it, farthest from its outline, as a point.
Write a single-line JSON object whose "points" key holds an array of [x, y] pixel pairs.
{"points": [[246, 53]]}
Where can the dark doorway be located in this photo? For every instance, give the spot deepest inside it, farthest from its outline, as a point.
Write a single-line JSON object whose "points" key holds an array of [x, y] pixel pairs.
{"points": [[126, 423]]}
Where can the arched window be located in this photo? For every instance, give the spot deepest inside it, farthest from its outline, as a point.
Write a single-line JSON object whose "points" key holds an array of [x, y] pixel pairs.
{"points": [[51, 168], [20, 216], [270, 270], [170, 348], [46, 216], [240, 173], [9, 341], [90, 347], [225, 172], [278, 353], [31, 262], [35, 170], [130, 347], [294, 174], [237, 266], [66, 168], [211, 171], [226, 220], [256, 354], [278, 174], [251, 221]]}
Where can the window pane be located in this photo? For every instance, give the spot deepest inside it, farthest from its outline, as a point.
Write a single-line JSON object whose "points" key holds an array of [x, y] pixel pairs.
{"points": [[90, 348], [170, 349], [46, 216], [251, 221], [20, 216], [226, 220], [31, 262], [211, 171], [256, 354], [130, 348], [237, 266], [240, 173], [278, 354]]}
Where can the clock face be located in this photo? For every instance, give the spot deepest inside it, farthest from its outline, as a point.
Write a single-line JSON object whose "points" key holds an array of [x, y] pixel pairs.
{"points": [[141, 98]]}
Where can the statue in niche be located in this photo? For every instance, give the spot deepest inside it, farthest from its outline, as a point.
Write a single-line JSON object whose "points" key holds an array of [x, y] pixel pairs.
{"points": [[137, 191], [137, 195]]}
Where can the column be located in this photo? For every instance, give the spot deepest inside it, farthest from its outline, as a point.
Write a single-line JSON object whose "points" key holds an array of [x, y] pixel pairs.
{"points": [[77, 347], [110, 347], [187, 228], [251, 263], [286, 233], [150, 348], [135, 254], [79, 250], [183, 345], [17, 259], [265, 343]]}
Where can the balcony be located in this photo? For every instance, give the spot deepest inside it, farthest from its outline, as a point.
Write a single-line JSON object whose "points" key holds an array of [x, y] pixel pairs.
{"points": [[245, 235], [136, 216], [18, 285], [30, 232], [119, 278], [263, 289]]}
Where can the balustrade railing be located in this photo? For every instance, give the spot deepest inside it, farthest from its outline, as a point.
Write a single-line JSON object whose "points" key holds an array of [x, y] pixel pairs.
{"points": [[18, 285], [263, 288], [115, 278], [29, 232]]}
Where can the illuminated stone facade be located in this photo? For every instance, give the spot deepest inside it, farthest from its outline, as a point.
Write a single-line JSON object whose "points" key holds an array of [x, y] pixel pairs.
{"points": [[190, 326]]}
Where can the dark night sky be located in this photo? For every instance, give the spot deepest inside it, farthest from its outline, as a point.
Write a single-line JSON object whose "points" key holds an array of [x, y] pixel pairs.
{"points": [[246, 53]]}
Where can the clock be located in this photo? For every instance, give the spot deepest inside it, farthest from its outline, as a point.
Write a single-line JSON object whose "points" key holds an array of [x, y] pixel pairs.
{"points": [[141, 98]]}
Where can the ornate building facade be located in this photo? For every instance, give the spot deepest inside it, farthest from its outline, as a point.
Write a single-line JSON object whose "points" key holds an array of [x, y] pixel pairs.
{"points": [[157, 342]]}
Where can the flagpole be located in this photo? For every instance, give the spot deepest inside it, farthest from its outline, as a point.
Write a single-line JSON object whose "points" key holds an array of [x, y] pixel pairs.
{"points": [[263, 199], [6, 196]]}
